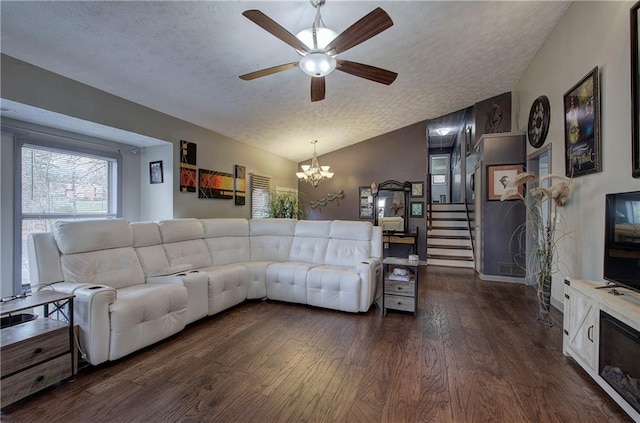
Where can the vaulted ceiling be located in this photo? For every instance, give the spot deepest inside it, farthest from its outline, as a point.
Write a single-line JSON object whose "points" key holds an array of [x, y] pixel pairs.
{"points": [[184, 59]]}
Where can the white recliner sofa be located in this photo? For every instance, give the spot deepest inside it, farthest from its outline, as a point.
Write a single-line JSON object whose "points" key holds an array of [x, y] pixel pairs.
{"points": [[137, 283]]}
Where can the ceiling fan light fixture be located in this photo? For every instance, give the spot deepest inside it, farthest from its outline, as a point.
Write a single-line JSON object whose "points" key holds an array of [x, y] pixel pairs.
{"points": [[317, 64], [323, 36], [443, 131]]}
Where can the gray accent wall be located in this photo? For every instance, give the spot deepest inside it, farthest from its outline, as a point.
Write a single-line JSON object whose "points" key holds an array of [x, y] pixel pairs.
{"points": [[400, 155]]}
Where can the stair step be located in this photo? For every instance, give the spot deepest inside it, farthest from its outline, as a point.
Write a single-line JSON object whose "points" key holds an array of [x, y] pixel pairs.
{"points": [[464, 243], [450, 228], [450, 219], [436, 236], [449, 246], [445, 257], [450, 263]]}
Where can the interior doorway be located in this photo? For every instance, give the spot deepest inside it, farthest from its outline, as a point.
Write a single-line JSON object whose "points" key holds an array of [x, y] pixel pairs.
{"points": [[538, 163], [440, 178]]}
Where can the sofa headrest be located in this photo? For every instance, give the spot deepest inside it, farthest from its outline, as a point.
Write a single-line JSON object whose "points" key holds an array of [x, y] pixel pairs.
{"points": [[313, 228], [216, 228], [81, 236], [357, 231], [175, 230], [145, 234], [272, 227]]}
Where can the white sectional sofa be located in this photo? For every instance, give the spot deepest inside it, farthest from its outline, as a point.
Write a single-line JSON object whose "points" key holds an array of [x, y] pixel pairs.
{"points": [[137, 283]]}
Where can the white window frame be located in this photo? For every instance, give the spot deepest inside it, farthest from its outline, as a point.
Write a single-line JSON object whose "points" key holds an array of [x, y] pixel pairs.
{"points": [[63, 145]]}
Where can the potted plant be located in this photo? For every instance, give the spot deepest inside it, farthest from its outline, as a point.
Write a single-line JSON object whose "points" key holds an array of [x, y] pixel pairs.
{"points": [[285, 205], [543, 202]]}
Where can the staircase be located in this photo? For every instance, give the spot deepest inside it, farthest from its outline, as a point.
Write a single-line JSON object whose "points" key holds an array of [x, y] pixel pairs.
{"points": [[449, 241]]}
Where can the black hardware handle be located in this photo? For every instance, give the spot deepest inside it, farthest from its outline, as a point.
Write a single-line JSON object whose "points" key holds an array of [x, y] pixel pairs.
{"points": [[37, 351], [589, 333], [40, 378]]}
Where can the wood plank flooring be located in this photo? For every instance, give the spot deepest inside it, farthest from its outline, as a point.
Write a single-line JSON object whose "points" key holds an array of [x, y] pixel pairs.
{"points": [[474, 353]]}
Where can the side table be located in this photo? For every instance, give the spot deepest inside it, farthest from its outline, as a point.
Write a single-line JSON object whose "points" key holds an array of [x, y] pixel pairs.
{"points": [[38, 353], [400, 292]]}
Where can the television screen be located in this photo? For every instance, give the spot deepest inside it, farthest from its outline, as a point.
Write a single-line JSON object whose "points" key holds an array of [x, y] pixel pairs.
{"points": [[622, 239]]}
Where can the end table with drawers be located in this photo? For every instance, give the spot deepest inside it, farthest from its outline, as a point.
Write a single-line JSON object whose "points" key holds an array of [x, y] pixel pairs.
{"points": [[400, 285], [36, 351]]}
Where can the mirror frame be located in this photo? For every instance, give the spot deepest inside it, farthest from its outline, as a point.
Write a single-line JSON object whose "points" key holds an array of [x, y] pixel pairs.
{"points": [[392, 185]]}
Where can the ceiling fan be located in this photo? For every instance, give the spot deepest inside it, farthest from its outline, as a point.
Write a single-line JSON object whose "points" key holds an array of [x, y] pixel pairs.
{"points": [[319, 47]]}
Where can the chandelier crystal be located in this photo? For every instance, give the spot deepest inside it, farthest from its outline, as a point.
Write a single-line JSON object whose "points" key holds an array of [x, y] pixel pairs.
{"points": [[314, 173]]}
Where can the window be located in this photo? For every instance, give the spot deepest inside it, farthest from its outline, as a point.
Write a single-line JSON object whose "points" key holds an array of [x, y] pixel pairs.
{"points": [[439, 179], [60, 183], [260, 189]]}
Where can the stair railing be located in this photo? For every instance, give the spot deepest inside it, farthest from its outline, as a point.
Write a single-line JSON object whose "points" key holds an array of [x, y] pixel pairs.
{"points": [[471, 237]]}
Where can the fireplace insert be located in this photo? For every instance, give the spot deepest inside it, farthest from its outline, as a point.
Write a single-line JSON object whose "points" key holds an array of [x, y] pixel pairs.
{"points": [[619, 362]]}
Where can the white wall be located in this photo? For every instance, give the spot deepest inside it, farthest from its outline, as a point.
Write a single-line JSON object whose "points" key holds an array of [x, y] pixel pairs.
{"points": [[156, 198], [589, 34], [6, 214]]}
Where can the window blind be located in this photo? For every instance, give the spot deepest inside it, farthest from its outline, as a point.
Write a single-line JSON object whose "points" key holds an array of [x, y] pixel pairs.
{"points": [[260, 189]]}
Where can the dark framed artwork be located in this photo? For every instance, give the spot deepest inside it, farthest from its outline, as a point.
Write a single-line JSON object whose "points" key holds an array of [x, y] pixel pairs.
{"points": [[417, 208], [498, 177], [417, 189], [187, 166], [212, 184], [582, 126], [635, 91], [365, 205], [156, 175], [240, 185]]}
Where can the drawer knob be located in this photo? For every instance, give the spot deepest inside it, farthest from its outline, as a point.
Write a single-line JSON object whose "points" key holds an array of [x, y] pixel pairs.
{"points": [[37, 351], [40, 378]]}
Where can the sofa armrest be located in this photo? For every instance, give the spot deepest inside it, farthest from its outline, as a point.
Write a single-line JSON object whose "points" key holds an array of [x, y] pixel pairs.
{"points": [[197, 284], [370, 271], [91, 314]]}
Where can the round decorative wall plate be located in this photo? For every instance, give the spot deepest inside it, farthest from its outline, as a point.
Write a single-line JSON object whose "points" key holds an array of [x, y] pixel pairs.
{"points": [[538, 125]]}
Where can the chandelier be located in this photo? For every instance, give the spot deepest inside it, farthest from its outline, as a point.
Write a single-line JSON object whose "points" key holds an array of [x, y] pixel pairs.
{"points": [[314, 173]]}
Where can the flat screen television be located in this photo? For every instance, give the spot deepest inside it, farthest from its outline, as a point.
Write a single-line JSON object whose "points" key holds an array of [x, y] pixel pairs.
{"points": [[622, 239]]}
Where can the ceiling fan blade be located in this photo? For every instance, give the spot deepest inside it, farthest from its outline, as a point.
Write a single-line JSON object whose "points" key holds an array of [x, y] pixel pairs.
{"points": [[268, 71], [275, 29], [369, 26], [317, 88], [369, 72]]}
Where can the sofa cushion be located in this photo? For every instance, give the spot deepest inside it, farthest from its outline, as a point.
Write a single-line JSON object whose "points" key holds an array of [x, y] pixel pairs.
{"points": [[221, 227], [193, 252], [227, 286], [91, 235], [175, 230], [145, 234], [334, 287], [259, 227], [145, 314], [357, 231], [288, 281], [116, 267]]}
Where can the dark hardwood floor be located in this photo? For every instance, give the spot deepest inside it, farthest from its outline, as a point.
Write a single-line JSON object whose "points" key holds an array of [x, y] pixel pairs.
{"points": [[474, 353]]}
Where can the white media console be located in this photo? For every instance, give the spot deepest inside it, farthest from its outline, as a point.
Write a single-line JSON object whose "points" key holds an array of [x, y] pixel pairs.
{"points": [[584, 304]]}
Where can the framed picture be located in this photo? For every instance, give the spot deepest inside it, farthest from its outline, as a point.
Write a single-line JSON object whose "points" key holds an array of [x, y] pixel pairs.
{"points": [[365, 204], [582, 126], [417, 209], [156, 175], [498, 178], [635, 91], [417, 189]]}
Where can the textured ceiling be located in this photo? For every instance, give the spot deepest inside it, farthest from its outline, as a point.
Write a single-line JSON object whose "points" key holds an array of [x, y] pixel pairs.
{"points": [[184, 58]]}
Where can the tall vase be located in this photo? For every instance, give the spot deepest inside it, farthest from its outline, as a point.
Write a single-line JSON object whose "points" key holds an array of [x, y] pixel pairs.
{"points": [[544, 299]]}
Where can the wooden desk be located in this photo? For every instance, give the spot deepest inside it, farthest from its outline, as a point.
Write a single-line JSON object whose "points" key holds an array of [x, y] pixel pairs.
{"points": [[402, 238]]}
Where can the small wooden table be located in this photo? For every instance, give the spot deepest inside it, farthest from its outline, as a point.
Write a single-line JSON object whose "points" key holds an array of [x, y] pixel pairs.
{"points": [[399, 294], [38, 353]]}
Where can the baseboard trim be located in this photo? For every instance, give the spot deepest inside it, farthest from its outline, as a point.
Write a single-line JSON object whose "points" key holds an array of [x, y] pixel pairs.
{"points": [[495, 278]]}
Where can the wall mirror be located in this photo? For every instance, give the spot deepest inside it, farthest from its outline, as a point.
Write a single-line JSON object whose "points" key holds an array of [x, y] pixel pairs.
{"points": [[391, 202]]}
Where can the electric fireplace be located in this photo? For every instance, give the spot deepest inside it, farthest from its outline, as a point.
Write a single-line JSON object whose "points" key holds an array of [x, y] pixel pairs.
{"points": [[619, 363]]}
